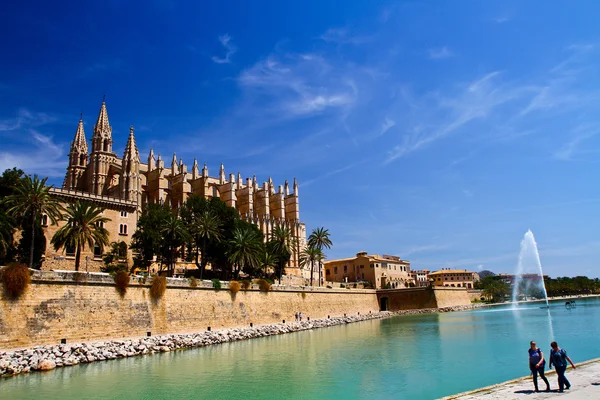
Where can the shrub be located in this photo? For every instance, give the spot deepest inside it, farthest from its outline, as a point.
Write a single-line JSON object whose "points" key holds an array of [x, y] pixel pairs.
{"points": [[263, 285], [159, 285], [193, 281], [216, 283], [15, 279], [122, 282], [342, 286], [234, 286], [246, 284], [304, 294], [80, 277]]}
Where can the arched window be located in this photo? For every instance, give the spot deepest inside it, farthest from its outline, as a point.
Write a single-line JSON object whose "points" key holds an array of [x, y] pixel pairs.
{"points": [[44, 220], [105, 144], [70, 250], [123, 229], [100, 224], [82, 159]]}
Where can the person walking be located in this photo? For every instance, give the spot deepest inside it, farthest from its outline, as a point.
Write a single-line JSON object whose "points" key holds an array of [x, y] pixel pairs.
{"points": [[559, 358], [537, 363]]}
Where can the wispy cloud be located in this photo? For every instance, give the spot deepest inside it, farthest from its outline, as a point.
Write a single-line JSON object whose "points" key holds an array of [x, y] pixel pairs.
{"points": [[43, 155], [230, 50], [343, 36], [501, 20], [579, 135], [440, 53], [429, 248]]}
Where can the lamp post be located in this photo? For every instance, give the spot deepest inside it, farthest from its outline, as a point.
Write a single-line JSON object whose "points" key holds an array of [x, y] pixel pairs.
{"points": [[87, 258]]}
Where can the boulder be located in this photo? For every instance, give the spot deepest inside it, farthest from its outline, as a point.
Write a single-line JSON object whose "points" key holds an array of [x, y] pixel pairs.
{"points": [[46, 365]]}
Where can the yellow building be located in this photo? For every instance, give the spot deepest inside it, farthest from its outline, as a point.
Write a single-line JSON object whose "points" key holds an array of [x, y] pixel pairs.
{"points": [[452, 278], [381, 271], [124, 186]]}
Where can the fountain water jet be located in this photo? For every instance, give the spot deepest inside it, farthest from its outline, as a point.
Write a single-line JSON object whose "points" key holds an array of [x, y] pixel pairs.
{"points": [[529, 262]]}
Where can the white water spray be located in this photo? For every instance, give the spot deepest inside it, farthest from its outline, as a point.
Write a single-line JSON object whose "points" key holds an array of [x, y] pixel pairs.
{"points": [[529, 262]]}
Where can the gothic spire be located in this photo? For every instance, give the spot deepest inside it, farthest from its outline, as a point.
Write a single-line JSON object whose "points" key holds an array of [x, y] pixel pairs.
{"points": [[103, 127], [79, 143], [131, 151]]}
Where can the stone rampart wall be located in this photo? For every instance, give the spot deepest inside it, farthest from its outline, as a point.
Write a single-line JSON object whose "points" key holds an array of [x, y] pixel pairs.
{"points": [[57, 307], [419, 298]]}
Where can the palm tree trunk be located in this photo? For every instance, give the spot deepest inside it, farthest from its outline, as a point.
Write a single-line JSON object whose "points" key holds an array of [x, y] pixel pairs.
{"points": [[312, 268], [32, 245], [77, 257], [203, 262], [280, 271]]}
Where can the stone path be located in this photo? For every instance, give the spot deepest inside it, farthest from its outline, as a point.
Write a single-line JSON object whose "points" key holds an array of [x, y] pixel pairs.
{"points": [[585, 381]]}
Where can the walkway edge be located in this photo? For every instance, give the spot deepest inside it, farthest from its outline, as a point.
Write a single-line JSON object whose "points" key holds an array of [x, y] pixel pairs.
{"points": [[487, 389]]}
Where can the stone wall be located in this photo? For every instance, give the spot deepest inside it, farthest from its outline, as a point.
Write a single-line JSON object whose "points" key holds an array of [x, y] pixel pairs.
{"points": [[418, 298], [57, 307]]}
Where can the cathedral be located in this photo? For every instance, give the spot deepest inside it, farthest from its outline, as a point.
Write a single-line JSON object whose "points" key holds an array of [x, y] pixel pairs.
{"points": [[124, 186]]}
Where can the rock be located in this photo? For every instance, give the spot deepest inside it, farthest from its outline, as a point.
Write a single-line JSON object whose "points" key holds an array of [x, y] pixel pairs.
{"points": [[46, 365]]}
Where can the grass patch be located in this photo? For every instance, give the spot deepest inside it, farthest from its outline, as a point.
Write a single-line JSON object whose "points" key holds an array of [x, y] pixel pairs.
{"points": [[263, 285], [193, 281], [216, 283], [15, 280], [159, 285], [122, 279], [234, 286]]}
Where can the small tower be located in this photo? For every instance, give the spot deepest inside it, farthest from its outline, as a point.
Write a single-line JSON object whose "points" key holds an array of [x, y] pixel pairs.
{"points": [[78, 159], [102, 156], [130, 171], [222, 175], [151, 160]]}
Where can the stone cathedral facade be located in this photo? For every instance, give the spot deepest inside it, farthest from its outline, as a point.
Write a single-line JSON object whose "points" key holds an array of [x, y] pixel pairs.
{"points": [[124, 186]]}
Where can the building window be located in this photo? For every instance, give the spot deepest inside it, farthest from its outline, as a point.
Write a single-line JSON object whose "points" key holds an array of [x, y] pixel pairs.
{"points": [[70, 250], [327, 272], [345, 268], [335, 270], [44, 220], [123, 214], [362, 266], [371, 265], [100, 224], [97, 251], [123, 229]]}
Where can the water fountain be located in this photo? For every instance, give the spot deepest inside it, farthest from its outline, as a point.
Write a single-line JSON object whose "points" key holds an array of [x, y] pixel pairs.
{"points": [[529, 262]]}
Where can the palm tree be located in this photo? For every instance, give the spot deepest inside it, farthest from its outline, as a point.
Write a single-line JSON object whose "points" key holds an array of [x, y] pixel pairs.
{"points": [[84, 225], [268, 258], [319, 238], [282, 243], [244, 249], [174, 235], [30, 201], [308, 256], [204, 228]]}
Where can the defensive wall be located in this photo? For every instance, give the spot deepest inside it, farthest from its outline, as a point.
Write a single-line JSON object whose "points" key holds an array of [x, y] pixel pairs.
{"points": [[56, 307]]}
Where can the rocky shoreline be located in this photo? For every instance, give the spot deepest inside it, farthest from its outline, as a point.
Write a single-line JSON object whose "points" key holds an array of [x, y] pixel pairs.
{"points": [[44, 358]]}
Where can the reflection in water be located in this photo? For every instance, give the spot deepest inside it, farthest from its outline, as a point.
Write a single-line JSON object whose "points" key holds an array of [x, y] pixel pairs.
{"points": [[410, 357]]}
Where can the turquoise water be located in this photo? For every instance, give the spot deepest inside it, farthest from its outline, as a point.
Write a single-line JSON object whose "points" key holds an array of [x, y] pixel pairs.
{"points": [[409, 357]]}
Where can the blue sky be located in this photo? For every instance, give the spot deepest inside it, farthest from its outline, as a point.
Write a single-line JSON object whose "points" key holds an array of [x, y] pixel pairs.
{"points": [[436, 131]]}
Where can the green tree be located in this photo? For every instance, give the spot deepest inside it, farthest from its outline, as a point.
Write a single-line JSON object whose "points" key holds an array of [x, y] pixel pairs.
{"points": [[113, 259], [268, 259], [282, 244], [204, 226], [83, 226], [244, 250], [174, 236], [7, 229], [320, 239], [29, 202], [309, 256], [147, 239]]}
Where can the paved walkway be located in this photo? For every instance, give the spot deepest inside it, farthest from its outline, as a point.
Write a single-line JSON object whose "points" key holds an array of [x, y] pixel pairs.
{"points": [[585, 381]]}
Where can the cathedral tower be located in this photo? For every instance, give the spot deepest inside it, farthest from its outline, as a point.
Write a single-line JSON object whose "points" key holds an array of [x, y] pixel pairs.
{"points": [[102, 155], [78, 160], [130, 171]]}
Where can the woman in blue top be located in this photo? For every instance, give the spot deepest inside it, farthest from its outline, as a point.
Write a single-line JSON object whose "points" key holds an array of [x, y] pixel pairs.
{"points": [[536, 365], [559, 358]]}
